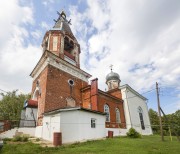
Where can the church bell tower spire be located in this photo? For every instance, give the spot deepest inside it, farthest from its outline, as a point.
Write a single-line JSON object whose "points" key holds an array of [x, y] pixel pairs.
{"points": [[60, 41]]}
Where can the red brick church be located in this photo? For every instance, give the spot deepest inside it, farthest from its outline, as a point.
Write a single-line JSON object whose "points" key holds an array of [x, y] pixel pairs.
{"points": [[59, 82]]}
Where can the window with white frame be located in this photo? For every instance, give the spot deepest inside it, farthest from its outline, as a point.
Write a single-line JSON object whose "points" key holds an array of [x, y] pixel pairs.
{"points": [[141, 117], [118, 119], [106, 110], [93, 123]]}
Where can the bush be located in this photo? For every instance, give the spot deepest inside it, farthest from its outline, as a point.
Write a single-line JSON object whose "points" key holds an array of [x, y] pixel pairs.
{"points": [[19, 138], [24, 138], [132, 133], [16, 139], [7, 139]]}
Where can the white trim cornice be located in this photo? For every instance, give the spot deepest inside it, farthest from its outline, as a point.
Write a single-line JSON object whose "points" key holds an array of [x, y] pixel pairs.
{"points": [[133, 91], [49, 58]]}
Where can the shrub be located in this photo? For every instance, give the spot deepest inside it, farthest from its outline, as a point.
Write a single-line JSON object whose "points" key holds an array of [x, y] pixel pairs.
{"points": [[24, 138], [7, 139], [16, 138], [19, 138], [132, 133]]}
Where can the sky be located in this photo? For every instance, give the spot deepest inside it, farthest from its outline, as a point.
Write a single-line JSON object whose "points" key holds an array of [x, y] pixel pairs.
{"points": [[140, 38]]}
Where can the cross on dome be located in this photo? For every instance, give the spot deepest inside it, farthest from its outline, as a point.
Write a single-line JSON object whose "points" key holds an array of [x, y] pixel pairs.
{"points": [[111, 67]]}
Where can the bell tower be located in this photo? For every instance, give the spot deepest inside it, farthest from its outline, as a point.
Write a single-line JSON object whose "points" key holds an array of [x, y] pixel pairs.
{"points": [[57, 77], [61, 41]]}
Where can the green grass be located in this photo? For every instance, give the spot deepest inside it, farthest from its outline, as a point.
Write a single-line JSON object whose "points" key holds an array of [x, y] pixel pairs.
{"points": [[119, 145]]}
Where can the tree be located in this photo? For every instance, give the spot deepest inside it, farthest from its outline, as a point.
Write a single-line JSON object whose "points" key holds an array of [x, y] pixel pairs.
{"points": [[153, 115], [170, 120], [174, 121], [11, 105]]}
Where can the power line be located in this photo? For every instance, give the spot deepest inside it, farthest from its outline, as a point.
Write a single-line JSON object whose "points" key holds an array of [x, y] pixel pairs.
{"points": [[168, 95], [149, 91], [141, 93]]}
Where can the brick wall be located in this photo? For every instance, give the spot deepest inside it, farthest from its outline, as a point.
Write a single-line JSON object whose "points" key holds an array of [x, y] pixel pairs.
{"points": [[113, 104], [41, 98], [58, 89], [115, 92], [55, 89], [86, 98], [103, 99]]}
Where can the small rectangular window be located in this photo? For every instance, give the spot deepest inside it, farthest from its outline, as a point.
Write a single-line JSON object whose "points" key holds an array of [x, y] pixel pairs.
{"points": [[93, 123]]}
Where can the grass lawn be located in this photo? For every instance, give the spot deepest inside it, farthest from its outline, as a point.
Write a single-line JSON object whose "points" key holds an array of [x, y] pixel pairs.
{"points": [[124, 145]]}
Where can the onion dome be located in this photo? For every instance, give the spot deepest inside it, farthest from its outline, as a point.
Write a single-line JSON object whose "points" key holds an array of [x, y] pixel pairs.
{"points": [[112, 76]]}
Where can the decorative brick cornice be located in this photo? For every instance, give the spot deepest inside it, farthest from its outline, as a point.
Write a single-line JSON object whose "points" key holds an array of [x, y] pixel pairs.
{"points": [[49, 58]]}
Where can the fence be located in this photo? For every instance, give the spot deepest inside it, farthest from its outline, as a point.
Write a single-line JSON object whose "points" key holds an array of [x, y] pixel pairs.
{"points": [[6, 125]]}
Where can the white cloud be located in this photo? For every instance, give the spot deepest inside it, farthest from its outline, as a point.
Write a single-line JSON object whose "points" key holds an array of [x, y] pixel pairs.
{"points": [[98, 13], [15, 58], [45, 25], [143, 33], [140, 38], [36, 34], [47, 2]]}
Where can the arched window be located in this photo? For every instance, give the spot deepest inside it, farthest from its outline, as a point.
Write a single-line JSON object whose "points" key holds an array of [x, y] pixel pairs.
{"points": [[140, 111], [71, 45], [118, 120], [37, 91], [66, 43], [106, 110]]}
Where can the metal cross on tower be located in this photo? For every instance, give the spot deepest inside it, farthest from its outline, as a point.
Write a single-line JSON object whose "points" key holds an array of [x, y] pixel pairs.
{"points": [[111, 67]]}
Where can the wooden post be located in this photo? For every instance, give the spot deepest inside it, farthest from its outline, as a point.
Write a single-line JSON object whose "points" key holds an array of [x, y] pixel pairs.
{"points": [[170, 133], [160, 120]]}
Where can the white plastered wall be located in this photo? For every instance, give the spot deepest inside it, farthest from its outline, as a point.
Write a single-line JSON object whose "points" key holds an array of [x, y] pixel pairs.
{"points": [[76, 126], [117, 131], [51, 124], [131, 103]]}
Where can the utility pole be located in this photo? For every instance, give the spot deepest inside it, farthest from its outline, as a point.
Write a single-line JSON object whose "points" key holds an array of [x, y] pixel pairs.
{"points": [[159, 111]]}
